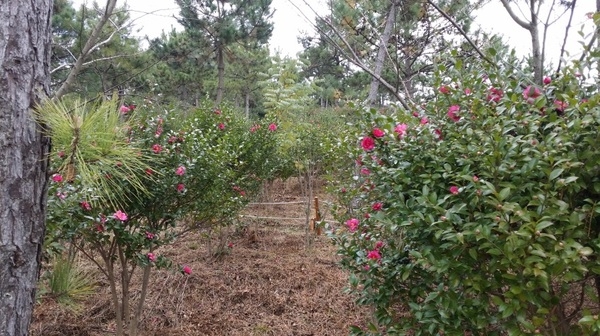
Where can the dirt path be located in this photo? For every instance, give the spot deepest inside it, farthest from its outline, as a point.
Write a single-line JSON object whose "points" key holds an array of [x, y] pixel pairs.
{"points": [[267, 283]]}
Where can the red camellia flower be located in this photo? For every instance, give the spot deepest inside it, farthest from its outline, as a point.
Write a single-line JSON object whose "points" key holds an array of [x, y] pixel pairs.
{"points": [[180, 171], [150, 235], [272, 127], [444, 89], [149, 171], [57, 178], [120, 215], [230, 245], [156, 148], [61, 154], [374, 255], [560, 105], [367, 143], [377, 206], [400, 129], [186, 270], [365, 171], [531, 93], [495, 95], [547, 80], [218, 112], [452, 113], [454, 190], [367, 215], [438, 132], [85, 206], [180, 187], [151, 256], [378, 133], [378, 245], [352, 224]]}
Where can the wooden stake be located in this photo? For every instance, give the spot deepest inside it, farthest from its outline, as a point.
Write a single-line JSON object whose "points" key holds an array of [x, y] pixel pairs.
{"points": [[317, 216]]}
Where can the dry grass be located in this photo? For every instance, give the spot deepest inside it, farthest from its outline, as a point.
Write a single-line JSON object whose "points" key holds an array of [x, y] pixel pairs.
{"points": [[268, 283]]}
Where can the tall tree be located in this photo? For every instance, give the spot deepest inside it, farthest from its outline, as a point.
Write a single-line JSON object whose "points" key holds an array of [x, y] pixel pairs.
{"points": [[24, 78], [530, 19], [224, 23]]}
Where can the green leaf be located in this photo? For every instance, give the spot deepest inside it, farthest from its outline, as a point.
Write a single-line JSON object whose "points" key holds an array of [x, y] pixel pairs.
{"points": [[555, 173], [504, 194], [542, 225]]}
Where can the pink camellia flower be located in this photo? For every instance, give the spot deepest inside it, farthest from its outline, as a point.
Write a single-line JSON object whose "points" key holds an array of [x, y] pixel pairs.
{"points": [[374, 255], [61, 195], [444, 89], [124, 109], [156, 148], [272, 127], [495, 95], [150, 235], [85, 206], [366, 267], [221, 126], [415, 114], [454, 190], [547, 80], [367, 143], [254, 128], [378, 245], [475, 178], [230, 245], [467, 91], [424, 121], [377, 206], [365, 171], [352, 224], [438, 132], [218, 112], [378, 133], [151, 256], [180, 187], [180, 171], [452, 113], [186, 270], [560, 105], [400, 129], [120, 215], [158, 132], [61, 154], [367, 215], [57, 178], [531, 93]]}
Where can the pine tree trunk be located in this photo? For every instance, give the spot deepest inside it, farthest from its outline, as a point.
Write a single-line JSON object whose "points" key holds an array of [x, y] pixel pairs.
{"points": [[247, 104], [220, 74], [24, 78], [383, 42]]}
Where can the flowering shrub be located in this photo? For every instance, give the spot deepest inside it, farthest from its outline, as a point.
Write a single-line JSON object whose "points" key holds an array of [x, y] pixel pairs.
{"points": [[195, 169], [488, 223]]}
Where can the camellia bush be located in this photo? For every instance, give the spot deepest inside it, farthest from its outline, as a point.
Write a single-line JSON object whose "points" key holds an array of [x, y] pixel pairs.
{"points": [[168, 173], [477, 212]]}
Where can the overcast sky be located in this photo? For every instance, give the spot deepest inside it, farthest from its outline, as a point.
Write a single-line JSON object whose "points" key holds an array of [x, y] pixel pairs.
{"points": [[155, 16]]}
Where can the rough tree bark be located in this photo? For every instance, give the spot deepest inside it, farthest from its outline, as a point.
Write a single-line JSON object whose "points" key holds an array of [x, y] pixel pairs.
{"points": [[381, 53], [25, 34], [220, 74]]}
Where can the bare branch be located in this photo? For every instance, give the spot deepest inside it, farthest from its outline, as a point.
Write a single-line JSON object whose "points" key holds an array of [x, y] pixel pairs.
{"points": [[462, 32], [518, 20], [108, 58], [562, 49]]}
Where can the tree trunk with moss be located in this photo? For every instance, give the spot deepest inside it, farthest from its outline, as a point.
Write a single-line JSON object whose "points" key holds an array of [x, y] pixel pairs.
{"points": [[24, 78]]}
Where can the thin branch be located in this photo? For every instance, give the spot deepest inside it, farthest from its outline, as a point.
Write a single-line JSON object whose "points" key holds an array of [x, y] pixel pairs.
{"points": [[108, 58], [518, 20], [562, 49], [546, 26], [462, 32]]}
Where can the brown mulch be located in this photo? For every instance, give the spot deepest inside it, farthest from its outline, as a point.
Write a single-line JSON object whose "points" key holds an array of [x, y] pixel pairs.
{"points": [[268, 283]]}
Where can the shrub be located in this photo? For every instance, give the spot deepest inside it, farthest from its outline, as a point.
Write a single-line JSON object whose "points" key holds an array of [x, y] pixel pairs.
{"points": [[480, 215]]}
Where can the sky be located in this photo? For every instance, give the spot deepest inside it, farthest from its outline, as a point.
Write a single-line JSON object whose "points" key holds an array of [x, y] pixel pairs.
{"points": [[152, 17]]}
